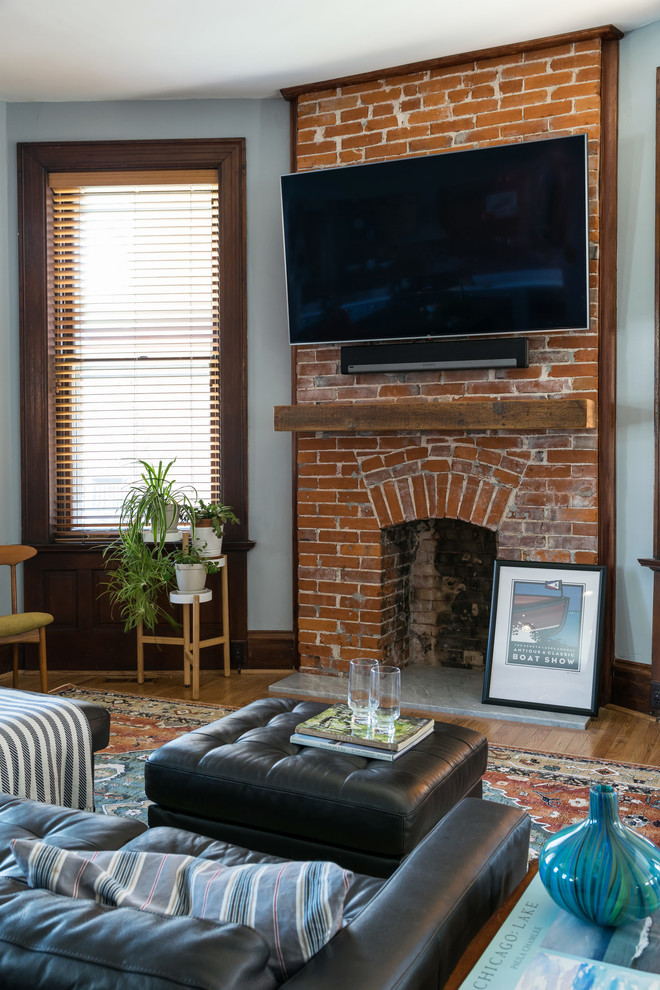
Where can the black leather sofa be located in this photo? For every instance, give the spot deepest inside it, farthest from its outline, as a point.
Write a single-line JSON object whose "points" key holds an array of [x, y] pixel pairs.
{"points": [[403, 933]]}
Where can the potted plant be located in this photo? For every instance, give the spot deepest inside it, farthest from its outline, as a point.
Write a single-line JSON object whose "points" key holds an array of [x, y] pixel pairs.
{"points": [[138, 577], [191, 568], [154, 503], [209, 522], [141, 570]]}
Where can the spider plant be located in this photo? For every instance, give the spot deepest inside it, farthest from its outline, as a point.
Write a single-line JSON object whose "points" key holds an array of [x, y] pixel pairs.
{"points": [[139, 575], [154, 502], [140, 572]]}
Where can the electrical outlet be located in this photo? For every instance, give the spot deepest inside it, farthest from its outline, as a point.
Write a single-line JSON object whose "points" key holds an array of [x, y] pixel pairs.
{"points": [[655, 695], [237, 654]]}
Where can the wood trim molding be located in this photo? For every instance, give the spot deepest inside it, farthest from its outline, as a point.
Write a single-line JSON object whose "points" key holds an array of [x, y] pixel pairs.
{"points": [[293, 133], [33, 316], [35, 161], [607, 355], [631, 686], [500, 414], [606, 32], [270, 650], [293, 151]]}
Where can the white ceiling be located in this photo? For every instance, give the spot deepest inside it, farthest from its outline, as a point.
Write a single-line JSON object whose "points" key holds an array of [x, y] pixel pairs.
{"points": [[196, 49]]}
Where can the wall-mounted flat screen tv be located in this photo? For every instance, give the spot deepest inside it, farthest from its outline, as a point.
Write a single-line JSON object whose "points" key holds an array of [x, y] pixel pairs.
{"points": [[486, 241]]}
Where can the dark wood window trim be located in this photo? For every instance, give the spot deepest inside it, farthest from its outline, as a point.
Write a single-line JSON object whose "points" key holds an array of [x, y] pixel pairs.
{"points": [[35, 162]]}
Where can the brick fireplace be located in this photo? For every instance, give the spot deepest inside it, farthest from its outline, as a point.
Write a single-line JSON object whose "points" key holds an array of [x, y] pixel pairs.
{"points": [[436, 587], [397, 529]]}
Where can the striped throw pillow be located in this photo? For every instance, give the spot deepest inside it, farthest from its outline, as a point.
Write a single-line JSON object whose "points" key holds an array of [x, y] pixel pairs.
{"points": [[296, 907]]}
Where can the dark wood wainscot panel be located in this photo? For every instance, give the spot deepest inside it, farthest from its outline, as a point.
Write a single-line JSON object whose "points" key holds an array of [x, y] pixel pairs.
{"points": [[68, 582]]}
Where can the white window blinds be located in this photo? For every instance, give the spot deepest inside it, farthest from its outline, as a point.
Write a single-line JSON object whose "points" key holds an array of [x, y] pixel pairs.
{"points": [[134, 330]]}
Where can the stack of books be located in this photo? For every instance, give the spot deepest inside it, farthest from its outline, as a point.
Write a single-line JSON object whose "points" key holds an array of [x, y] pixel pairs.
{"points": [[334, 730]]}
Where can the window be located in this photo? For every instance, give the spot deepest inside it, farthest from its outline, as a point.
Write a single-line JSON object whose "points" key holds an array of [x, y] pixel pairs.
{"points": [[133, 292], [132, 325]]}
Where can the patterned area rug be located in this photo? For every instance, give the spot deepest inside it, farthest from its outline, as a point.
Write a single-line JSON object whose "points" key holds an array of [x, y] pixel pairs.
{"points": [[137, 727], [553, 789]]}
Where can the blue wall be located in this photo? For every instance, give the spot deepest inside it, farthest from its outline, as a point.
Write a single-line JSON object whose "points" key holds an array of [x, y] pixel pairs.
{"points": [[265, 125], [639, 56]]}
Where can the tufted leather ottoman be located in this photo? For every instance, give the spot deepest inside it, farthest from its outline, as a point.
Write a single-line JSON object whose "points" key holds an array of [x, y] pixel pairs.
{"points": [[240, 780]]}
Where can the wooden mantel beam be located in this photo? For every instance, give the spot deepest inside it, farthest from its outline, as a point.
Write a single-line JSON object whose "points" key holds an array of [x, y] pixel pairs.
{"points": [[464, 414]]}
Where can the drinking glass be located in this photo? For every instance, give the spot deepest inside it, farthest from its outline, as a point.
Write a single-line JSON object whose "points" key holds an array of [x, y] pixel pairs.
{"points": [[360, 699], [386, 688]]}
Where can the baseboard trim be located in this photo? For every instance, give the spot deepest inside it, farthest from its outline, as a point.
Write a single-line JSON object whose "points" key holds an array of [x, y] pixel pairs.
{"points": [[269, 649], [631, 685]]}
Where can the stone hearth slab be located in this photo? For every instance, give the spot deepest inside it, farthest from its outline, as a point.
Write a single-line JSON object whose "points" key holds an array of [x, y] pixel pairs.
{"points": [[438, 690]]}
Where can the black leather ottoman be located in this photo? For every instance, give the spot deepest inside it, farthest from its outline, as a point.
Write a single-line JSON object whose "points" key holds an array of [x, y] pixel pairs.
{"points": [[240, 780]]}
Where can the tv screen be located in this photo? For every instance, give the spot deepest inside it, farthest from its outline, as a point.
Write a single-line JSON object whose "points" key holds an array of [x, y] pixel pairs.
{"points": [[486, 241]]}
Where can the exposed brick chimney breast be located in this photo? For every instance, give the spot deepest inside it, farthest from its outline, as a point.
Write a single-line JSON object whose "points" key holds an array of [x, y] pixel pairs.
{"points": [[366, 502]]}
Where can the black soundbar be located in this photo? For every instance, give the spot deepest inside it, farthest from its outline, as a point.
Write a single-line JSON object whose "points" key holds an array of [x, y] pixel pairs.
{"points": [[435, 355]]}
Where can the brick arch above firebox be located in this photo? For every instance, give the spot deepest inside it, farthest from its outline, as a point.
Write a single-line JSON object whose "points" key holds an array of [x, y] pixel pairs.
{"points": [[461, 481]]}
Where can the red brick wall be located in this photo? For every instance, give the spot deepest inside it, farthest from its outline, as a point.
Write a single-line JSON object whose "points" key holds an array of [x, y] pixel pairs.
{"points": [[537, 490]]}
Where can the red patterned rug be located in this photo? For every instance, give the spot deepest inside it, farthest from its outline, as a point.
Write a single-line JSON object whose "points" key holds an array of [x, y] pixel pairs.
{"points": [[553, 789], [137, 727]]}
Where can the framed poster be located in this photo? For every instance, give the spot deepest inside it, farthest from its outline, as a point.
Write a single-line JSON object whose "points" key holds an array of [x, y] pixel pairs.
{"points": [[544, 640]]}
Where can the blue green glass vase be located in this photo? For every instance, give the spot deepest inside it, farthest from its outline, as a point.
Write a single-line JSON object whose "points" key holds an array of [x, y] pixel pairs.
{"points": [[600, 869]]}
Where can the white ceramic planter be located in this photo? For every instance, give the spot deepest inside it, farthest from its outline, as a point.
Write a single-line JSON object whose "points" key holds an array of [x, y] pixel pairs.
{"points": [[172, 513], [208, 544], [190, 578]]}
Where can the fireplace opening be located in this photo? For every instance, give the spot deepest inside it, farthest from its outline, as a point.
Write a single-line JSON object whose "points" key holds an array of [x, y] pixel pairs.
{"points": [[437, 583]]}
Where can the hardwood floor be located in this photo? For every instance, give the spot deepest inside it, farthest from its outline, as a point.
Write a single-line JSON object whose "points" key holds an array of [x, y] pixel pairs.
{"points": [[617, 734]]}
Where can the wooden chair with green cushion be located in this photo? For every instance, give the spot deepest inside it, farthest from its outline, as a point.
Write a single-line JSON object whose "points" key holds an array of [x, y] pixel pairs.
{"points": [[23, 627]]}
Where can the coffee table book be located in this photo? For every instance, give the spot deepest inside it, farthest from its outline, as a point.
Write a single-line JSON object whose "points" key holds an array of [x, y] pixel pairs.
{"points": [[542, 947], [336, 723], [353, 749]]}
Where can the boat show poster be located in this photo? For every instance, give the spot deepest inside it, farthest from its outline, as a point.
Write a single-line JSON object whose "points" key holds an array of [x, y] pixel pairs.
{"points": [[546, 623]]}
